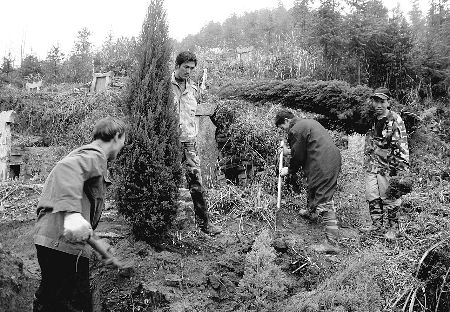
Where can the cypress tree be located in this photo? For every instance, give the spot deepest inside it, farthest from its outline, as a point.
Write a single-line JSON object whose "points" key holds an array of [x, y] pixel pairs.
{"points": [[149, 167]]}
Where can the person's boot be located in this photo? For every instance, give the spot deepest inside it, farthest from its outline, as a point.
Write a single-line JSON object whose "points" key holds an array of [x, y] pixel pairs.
{"points": [[376, 214], [201, 214], [330, 246], [392, 222]]}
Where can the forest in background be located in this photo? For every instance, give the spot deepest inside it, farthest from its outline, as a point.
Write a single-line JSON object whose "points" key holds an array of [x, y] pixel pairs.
{"points": [[357, 41]]}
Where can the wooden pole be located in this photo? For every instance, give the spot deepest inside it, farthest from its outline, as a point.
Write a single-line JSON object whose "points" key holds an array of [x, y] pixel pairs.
{"points": [[280, 166]]}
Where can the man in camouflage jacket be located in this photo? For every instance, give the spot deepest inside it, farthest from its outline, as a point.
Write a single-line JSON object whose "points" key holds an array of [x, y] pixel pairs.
{"points": [[386, 155], [185, 96]]}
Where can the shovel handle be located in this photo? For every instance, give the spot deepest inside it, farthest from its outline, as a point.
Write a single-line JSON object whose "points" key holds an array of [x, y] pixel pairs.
{"points": [[280, 167], [106, 255]]}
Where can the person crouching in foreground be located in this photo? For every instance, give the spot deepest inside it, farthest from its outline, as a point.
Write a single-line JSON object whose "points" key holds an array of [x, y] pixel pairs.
{"points": [[69, 209], [313, 149]]}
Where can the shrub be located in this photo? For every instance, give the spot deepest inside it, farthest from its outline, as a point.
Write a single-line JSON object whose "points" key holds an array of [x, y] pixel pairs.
{"points": [[336, 100], [149, 167], [355, 288], [264, 284], [64, 118], [249, 131]]}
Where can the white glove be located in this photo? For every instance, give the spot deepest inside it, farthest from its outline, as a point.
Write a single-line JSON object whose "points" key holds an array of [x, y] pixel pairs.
{"points": [[76, 228], [284, 171], [283, 148]]}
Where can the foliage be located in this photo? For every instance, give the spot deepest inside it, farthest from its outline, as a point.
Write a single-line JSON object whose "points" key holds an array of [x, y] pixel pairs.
{"points": [[79, 65], [249, 131], [64, 118], [357, 287], [149, 167], [336, 100], [7, 64], [263, 285], [30, 67], [53, 65], [355, 41], [116, 56]]}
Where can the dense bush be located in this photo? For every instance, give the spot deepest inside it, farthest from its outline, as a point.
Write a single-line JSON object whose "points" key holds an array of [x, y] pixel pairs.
{"points": [[149, 167], [340, 103], [249, 130], [63, 118]]}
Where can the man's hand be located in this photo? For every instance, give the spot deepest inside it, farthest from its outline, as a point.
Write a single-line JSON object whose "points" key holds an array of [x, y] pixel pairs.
{"points": [[286, 150], [76, 228], [284, 171]]}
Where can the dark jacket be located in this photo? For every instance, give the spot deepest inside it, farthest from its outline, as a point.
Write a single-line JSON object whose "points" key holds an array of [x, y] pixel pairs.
{"points": [[313, 149], [76, 184]]}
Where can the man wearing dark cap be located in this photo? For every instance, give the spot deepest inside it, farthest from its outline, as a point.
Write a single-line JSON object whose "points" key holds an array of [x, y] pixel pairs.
{"points": [[312, 149], [386, 155]]}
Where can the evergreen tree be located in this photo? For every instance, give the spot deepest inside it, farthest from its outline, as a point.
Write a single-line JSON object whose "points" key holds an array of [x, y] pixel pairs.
{"points": [[80, 62], [53, 65], [8, 65], [150, 167]]}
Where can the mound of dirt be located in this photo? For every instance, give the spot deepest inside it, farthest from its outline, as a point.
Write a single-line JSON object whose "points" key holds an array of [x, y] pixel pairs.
{"points": [[16, 288]]}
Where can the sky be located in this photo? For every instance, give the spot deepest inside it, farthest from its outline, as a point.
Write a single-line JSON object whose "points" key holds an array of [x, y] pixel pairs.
{"points": [[37, 25]]}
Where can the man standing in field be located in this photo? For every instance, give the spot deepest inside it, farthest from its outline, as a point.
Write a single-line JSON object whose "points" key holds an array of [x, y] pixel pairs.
{"points": [[186, 96], [69, 209], [386, 156], [313, 149]]}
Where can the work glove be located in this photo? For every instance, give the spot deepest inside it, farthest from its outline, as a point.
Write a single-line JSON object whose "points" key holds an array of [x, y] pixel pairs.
{"points": [[285, 149], [76, 228], [284, 171]]}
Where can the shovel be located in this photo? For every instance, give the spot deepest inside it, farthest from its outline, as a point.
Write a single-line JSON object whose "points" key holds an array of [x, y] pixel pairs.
{"points": [[125, 269], [280, 166]]}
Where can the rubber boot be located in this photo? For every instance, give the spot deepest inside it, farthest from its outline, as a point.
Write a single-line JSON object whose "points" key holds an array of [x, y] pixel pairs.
{"points": [[392, 220], [201, 214], [376, 214], [330, 246]]}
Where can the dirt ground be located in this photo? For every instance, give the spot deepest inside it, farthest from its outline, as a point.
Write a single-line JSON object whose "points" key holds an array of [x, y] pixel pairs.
{"points": [[193, 271]]}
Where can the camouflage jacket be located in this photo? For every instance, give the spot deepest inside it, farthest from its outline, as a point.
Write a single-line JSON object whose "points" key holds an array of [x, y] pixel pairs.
{"points": [[186, 106], [387, 154]]}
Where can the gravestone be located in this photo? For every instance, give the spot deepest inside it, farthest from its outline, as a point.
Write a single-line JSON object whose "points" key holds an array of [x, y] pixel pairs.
{"points": [[101, 81], [206, 142], [7, 118]]}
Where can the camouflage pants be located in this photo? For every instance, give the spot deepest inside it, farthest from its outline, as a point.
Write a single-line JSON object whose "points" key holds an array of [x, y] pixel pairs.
{"points": [[191, 164], [376, 186]]}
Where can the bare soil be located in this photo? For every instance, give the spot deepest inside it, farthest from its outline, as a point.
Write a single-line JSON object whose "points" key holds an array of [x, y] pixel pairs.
{"points": [[190, 271]]}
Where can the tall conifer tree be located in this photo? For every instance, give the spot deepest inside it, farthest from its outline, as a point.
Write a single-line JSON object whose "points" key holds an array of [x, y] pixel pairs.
{"points": [[149, 167]]}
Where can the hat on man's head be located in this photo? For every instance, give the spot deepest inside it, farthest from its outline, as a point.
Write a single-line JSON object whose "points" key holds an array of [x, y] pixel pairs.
{"points": [[382, 93]]}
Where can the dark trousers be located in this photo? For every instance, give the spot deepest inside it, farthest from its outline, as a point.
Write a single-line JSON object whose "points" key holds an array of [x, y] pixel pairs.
{"points": [[191, 162], [64, 283]]}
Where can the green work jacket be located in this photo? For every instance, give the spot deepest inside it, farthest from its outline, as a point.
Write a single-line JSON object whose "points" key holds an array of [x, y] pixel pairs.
{"points": [[76, 184]]}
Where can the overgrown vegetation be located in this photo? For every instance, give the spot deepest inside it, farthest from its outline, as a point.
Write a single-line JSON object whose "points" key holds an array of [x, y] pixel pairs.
{"points": [[360, 42], [263, 285], [149, 167], [340, 103], [64, 118]]}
